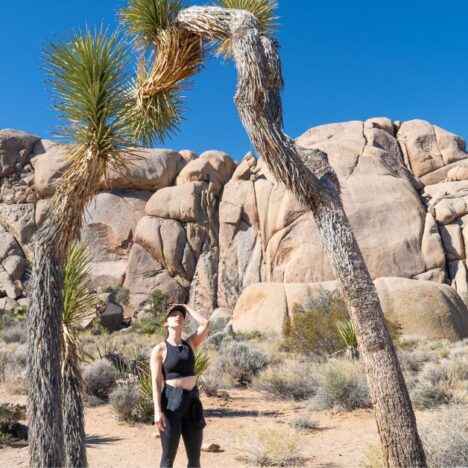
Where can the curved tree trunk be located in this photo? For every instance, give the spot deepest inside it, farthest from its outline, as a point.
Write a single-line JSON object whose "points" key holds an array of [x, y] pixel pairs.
{"points": [[310, 177]]}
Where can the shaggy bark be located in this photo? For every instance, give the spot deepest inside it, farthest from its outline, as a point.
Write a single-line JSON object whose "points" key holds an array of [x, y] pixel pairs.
{"points": [[64, 220], [44, 343], [308, 174], [73, 414]]}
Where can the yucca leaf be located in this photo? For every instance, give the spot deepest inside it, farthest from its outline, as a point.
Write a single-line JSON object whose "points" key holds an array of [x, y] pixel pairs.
{"points": [[78, 300], [144, 19], [346, 332], [88, 73]]}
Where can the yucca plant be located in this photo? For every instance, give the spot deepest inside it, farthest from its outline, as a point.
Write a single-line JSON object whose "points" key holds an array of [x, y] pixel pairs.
{"points": [[168, 57], [347, 334], [78, 303]]}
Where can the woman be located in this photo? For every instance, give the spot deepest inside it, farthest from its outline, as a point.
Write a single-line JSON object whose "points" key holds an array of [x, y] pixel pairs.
{"points": [[177, 406]]}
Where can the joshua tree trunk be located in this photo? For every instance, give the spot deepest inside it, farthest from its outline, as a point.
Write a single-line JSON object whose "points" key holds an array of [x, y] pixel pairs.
{"points": [[44, 342], [63, 225], [310, 177], [73, 415]]}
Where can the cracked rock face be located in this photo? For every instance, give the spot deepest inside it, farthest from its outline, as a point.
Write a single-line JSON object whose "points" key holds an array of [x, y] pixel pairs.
{"points": [[203, 229]]}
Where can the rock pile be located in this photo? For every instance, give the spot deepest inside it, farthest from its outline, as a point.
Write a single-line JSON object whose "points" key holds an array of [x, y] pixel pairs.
{"points": [[204, 228]]}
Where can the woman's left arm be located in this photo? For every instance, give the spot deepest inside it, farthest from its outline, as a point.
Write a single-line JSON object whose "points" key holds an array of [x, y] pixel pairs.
{"points": [[202, 331]]}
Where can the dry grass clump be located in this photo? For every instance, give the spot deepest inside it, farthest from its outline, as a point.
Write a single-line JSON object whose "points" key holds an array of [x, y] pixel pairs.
{"points": [[341, 385], [270, 444], [445, 438], [304, 423], [436, 372], [16, 333], [290, 380]]}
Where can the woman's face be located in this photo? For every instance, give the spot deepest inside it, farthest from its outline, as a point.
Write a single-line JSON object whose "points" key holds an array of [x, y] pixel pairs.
{"points": [[175, 319]]}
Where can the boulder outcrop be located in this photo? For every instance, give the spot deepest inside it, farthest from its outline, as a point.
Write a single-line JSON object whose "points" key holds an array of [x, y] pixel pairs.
{"points": [[204, 228]]}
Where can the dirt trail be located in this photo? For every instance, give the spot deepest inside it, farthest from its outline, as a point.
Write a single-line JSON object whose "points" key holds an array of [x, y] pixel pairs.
{"points": [[341, 439]]}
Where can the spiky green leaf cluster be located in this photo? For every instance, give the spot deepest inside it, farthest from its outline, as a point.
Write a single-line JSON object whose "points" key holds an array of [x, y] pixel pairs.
{"points": [[263, 10], [144, 19], [346, 332], [87, 71], [78, 300], [150, 120]]}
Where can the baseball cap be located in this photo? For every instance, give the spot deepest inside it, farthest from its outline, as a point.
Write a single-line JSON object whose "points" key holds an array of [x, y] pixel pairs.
{"points": [[173, 307]]}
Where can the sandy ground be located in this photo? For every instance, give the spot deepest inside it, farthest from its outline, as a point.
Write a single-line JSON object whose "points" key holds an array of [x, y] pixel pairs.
{"points": [[341, 440]]}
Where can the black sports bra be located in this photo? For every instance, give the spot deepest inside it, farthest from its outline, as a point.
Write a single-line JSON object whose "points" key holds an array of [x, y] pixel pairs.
{"points": [[179, 362]]}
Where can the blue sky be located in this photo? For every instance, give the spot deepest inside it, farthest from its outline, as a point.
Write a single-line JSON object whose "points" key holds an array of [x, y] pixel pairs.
{"points": [[342, 61]]}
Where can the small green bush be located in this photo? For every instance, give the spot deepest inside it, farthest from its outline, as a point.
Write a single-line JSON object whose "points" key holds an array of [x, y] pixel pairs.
{"points": [[242, 361], [156, 306], [127, 402], [313, 328]]}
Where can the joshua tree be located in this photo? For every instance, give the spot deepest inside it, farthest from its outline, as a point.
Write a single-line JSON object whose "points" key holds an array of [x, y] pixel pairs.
{"points": [[78, 301], [87, 73], [242, 29]]}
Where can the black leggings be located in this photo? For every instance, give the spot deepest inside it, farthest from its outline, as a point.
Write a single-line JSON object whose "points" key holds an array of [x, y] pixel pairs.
{"points": [[177, 424]]}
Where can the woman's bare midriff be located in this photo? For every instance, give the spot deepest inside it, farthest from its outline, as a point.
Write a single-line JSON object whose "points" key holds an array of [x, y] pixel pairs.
{"points": [[186, 382]]}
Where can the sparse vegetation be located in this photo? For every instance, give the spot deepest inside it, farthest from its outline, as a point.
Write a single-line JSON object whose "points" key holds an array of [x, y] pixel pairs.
{"points": [[99, 378], [341, 384], [270, 445], [242, 361], [290, 380], [304, 423], [445, 438], [10, 429]]}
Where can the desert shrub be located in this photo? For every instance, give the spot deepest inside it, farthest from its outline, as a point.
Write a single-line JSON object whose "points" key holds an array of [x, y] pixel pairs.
{"points": [[270, 445], [414, 360], [313, 329], [441, 382], [304, 423], [291, 380], [16, 379], [16, 333], [97, 328], [155, 305], [445, 438], [210, 383], [128, 401], [426, 395], [341, 384], [216, 340], [242, 361], [118, 295], [374, 457], [10, 429], [19, 356], [20, 312], [99, 378], [322, 327]]}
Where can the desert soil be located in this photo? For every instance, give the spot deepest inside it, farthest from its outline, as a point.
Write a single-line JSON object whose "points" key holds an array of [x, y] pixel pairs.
{"points": [[341, 440]]}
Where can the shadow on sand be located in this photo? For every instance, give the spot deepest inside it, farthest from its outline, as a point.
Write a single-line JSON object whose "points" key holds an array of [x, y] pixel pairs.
{"points": [[100, 440]]}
